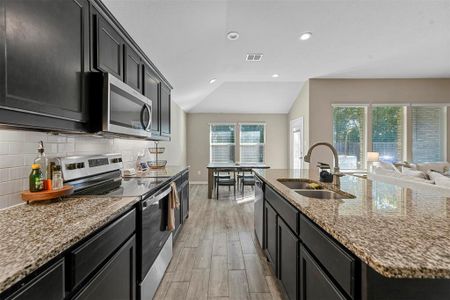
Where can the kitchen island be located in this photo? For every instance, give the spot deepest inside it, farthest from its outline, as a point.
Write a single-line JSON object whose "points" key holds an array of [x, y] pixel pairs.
{"points": [[382, 242]]}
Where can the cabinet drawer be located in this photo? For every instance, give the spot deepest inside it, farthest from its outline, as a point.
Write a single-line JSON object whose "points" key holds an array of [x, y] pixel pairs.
{"points": [[116, 279], [314, 283], [47, 285], [91, 254], [289, 214], [335, 260]]}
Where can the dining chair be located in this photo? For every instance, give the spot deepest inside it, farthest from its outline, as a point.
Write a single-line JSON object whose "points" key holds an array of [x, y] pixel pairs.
{"points": [[225, 180]]}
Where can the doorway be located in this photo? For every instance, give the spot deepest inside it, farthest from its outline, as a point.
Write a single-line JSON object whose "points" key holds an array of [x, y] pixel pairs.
{"points": [[296, 143]]}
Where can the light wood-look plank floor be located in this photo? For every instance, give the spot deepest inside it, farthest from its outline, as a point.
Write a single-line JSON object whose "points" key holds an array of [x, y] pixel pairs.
{"points": [[216, 255]]}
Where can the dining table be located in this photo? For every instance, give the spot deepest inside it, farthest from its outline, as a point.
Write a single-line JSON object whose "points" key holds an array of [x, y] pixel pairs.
{"points": [[229, 167]]}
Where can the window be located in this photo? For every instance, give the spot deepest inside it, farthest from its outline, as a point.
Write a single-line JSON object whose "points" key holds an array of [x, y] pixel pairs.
{"points": [[428, 133], [349, 136], [222, 143], [387, 132], [252, 139]]}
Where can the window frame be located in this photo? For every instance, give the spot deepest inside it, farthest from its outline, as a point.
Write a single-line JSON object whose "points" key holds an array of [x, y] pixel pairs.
{"points": [[444, 133], [404, 137], [221, 144], [366, 134], [407, 143], [252, 144]]}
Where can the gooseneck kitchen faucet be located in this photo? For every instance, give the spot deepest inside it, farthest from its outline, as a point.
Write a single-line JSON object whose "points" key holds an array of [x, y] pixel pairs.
{"points": [[336, 171]]}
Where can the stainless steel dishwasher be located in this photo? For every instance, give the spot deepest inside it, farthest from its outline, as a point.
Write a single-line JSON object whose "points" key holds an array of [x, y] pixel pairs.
{"points": [[155, 245]]}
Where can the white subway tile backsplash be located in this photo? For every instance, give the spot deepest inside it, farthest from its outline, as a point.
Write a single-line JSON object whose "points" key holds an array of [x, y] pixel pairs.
{"points": [[11, 135], [8, 161], [4, 148], [4, 175], [18, 149], [18, 173]]}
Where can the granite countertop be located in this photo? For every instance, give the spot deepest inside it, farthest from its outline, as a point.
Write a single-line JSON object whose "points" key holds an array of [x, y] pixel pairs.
{"points": [[168, 171], [33, 234], [398, 232]]}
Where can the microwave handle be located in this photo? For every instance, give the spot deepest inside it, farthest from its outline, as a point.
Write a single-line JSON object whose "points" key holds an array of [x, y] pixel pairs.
{"points": [[142, 116], [149, 108]]}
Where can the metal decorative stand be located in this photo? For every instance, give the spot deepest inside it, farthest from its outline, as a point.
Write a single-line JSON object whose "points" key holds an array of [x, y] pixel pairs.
{"points": [[157, 164]]}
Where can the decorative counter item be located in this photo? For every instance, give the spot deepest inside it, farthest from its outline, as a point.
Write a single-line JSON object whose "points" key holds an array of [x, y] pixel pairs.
{"points": [[157, 164], [47, 195]]}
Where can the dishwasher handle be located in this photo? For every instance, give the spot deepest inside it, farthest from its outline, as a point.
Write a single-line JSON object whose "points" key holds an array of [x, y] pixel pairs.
{"points": [[155, 199]]}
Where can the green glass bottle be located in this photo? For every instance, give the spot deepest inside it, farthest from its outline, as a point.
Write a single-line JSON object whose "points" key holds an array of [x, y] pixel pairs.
{"points": [[36, 183]]}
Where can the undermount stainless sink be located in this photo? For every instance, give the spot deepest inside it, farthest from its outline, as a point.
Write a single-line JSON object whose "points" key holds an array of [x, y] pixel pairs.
{"points": [[296, 184], [321, 194]]}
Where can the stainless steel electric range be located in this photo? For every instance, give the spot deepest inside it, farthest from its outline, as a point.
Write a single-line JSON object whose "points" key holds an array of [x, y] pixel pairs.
{"points": [[100, 175]]}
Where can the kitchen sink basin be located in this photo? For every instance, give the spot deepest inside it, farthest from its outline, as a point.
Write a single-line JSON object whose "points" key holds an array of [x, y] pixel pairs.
{"points": [[321, 194], [296, 183]]}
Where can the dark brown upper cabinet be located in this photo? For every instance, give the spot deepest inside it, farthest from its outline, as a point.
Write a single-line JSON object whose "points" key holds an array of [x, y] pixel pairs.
{"points": [[133, 69], [108, 47], [165, 110], [152, 90], [44, 50]]}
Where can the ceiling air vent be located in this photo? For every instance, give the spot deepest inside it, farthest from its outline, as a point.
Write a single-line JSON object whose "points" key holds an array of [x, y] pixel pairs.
{"points": [[254, 57]]}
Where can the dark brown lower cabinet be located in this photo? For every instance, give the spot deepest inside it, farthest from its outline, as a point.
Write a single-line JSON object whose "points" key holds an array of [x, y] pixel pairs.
{"points": [[116, 279], [271, 235], [288, 244], [47, 285], [313, 282], [185, 200]]}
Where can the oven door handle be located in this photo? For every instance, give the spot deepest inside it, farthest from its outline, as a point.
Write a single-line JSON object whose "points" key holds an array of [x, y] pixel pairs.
{"points": [[155, 199]]}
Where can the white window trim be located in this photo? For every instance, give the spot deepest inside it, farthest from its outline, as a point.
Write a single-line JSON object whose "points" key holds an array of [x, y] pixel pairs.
{"points": [[221, 144], [253, 144]]}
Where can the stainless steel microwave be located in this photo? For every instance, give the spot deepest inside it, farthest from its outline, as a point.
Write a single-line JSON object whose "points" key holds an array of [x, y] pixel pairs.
{"points": [[124, 111]]}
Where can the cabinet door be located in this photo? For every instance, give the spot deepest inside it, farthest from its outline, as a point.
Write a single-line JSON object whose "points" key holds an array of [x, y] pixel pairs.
{"points": [[165, 110], [152, 91], [287, 259], [270, 225], [46, 49], [108, 48], [47, 285], [116, 280], [314, 283], [133, 69]]}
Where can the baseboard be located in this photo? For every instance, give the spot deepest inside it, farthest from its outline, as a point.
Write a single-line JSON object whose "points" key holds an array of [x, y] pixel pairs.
{"points": [[198, 182]]}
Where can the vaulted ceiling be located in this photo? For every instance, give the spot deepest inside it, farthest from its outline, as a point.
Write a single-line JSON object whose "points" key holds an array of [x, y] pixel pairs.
{"points": [[186, 39]]}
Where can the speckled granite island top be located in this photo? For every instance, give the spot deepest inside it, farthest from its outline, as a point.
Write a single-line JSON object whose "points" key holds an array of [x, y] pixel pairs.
{"points": [[398, 232], [33, 234]]}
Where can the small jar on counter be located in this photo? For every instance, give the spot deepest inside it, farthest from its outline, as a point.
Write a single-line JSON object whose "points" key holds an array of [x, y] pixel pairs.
{"points": [[36, 180], [57, 180]]}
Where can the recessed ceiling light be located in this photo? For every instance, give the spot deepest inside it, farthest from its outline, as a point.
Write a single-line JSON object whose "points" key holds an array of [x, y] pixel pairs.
{"points": [[275, 75], [212, 80], [233, 35], [305, 36]]}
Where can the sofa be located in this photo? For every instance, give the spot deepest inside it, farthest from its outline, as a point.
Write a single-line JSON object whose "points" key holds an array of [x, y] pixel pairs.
{"points": [[420, 177]]}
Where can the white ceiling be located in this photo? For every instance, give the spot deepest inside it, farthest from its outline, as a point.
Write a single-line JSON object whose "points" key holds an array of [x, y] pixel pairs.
{"points": [[186, 39]]}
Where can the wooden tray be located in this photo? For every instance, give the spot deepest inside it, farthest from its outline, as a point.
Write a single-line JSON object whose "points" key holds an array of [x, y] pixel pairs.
{"points": [[47, 195]]}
